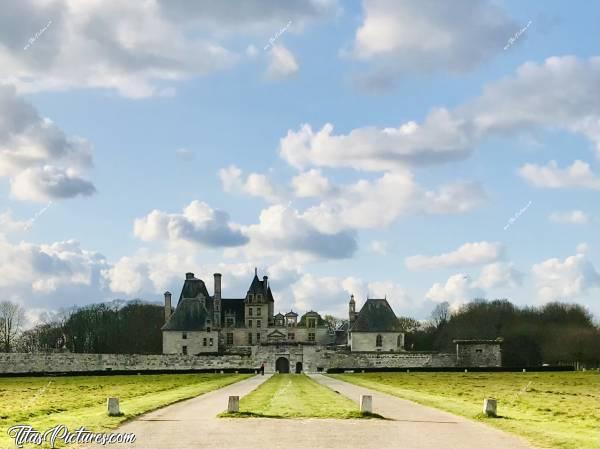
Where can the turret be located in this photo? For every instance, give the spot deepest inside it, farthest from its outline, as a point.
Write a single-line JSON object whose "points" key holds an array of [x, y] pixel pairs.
{"points": [[351, 310]]}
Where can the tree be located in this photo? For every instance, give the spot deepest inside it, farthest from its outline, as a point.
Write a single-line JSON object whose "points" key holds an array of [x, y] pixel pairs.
{"points": [[12, 317], [441, 314], [333, 322]]}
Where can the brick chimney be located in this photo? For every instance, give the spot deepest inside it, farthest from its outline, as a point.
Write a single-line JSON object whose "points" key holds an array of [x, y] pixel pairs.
{"points": [[217, 301]]}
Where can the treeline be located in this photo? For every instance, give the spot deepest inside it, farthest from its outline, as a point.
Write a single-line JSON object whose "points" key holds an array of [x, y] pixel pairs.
{"points": [[555, 333], [110, 328]]}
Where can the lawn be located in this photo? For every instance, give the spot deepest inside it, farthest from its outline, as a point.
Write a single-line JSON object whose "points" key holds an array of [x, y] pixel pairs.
{"points": [[44, 402], [295, 396], [555, 410]]}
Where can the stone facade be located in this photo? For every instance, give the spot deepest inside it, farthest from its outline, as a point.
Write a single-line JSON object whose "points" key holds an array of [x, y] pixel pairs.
{"points": [[481, 353], [377, 341]]}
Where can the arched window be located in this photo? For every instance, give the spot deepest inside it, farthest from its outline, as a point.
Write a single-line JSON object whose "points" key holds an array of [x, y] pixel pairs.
{"points": [[379, 341]]}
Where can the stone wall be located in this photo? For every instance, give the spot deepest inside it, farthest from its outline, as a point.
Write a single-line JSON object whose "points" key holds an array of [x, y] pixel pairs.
{"points": [[482, 354], [14, 363], [312, 358], [367, 341]]}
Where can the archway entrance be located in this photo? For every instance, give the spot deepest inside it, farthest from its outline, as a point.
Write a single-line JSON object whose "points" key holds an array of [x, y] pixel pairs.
{"points": [[282, 365], [298, 367]]}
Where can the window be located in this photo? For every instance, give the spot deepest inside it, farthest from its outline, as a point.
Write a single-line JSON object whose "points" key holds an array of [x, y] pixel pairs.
{"points": [[249, 338], [312, 322], [208, 329], [257, 338], [249, 311], [478, 350], [291, 336], [249, 323], [230, 338], [379, 341], [258, 310], [399, 344], [250, 298], [258, 297], [311, 336], [204, 342], [184, 350], [210, 342], [184, 335], [229, 322], [257, 323]]}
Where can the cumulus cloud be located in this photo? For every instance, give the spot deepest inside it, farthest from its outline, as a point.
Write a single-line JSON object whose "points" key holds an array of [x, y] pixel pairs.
{"points": [[330, 294], [469, 254], [198, 223], [281, 229], [39, 159], [401, 36], [255, 184], [578, 175], [458, 289], [378, 203], [282, 63], [133, 47], [499, 275], [570, 217], [549, 95], [311, 184], [568, 279], [51, 275]]}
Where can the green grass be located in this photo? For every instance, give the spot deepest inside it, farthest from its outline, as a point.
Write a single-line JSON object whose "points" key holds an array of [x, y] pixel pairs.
{"points": [[295, 396], [44, 402], [556, 410]]}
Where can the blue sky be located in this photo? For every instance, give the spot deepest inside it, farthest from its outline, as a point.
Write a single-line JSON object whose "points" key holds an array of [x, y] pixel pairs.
{"points": [[375, 148]]}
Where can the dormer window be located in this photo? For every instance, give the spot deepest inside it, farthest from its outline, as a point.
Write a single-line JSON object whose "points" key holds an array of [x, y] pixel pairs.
{"points": [[250, 297], [259, 297]]}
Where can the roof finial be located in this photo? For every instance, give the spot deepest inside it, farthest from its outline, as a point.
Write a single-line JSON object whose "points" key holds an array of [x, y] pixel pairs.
{"points": [[255, 271]]}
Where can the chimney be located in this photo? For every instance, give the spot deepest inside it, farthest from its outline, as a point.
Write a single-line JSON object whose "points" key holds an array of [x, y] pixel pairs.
{"points": [[167, 306], [217, 291], [351, 310], [189, 276], [217, 302], [266, 282]]}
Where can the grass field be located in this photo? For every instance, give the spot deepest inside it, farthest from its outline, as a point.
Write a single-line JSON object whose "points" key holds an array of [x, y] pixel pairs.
{"points": [[557, 410], [44, 402], [295, 396]]}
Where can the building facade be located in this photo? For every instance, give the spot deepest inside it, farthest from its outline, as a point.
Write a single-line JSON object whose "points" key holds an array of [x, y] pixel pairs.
{"points": [[224, 328]]}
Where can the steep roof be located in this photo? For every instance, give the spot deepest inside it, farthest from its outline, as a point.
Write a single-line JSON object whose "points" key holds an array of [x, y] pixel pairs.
{"points": [[261, 287], [190, 315], [376, 316], [192, 287], [235, 306]]}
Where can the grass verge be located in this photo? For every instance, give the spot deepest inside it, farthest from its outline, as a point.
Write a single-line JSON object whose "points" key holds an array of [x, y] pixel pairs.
{"points": [[44, 402], [295, 396], [551, 410]]}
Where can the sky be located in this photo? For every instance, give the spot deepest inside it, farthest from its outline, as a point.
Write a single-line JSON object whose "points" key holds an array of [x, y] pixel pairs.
{"points": [[423, 151]]}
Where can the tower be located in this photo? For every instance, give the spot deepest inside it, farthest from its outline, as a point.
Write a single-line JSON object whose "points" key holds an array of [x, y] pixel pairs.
{"points": [[168, 309], [351, 310], [217, 302]]}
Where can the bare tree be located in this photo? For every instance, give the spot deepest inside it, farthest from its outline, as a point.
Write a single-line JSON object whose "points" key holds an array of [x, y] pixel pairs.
{"points": [[12, 317], [441, 314]]}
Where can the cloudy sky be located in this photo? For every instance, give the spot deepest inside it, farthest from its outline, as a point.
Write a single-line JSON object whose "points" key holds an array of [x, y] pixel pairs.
{"points": [[425, 151]]}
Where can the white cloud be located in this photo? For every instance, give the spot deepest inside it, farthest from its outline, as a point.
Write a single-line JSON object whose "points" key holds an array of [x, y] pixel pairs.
{"points": [[458, 289], [570, 279], [9, 225], [469, 254], [184, 154], [311, 184], [282, 63], [198, 223], [255, 184], [39, 159], [282, 229], [402, 36], [499, 275], [134, 47], [378, 203], [578, 175], [570, 217]]}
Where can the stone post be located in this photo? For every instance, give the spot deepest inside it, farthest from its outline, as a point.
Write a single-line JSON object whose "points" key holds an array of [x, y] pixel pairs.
{"points": [[489, 407], [113, 406], [233, 406], [366, 403]]}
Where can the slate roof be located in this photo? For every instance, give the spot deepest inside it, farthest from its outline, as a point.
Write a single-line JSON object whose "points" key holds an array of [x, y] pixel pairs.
{"points": [[376, 316], [190, 315], [261, 287], [192, 287], [235, 306]]}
